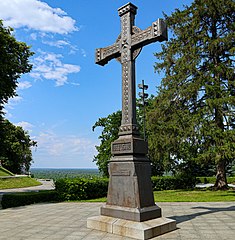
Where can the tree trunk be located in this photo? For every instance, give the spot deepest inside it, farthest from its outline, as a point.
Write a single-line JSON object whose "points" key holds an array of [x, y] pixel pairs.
{"points": [[221, 180]]}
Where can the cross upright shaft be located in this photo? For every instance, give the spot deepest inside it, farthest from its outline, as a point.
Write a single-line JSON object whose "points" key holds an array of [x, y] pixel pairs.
{"points": [[127, 14], [126, 48], [130, 194]]}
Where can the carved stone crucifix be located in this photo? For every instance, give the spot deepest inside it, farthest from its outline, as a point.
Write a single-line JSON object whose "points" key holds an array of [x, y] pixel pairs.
{"points": [[130, 210], [126, 48], [130, 194]]}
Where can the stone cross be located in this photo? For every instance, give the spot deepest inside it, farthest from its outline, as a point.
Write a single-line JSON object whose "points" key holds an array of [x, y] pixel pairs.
{"points": [[126, 48], [130, 200]]}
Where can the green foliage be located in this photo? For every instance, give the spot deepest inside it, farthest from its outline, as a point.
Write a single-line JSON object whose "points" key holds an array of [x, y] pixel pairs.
{"points": [[193, 115], [84, 189], [14, 62], [15, 146], [81, 188], [18, 182], [22, 199], [230, 180], [110, 125], [173, 183]]}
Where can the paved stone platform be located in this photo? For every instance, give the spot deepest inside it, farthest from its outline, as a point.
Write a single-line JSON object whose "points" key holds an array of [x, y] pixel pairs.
{"points": [[67, 221]]}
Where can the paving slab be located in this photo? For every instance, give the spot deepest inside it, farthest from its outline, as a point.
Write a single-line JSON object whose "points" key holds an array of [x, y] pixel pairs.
{"points": [[67, 221]]}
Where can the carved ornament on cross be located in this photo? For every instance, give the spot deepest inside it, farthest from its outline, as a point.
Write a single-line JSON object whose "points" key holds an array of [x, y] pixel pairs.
{"points": [[126, 49]]}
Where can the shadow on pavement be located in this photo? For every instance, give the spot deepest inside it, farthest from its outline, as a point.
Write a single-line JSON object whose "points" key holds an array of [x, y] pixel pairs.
{"points": [[209, 210]]}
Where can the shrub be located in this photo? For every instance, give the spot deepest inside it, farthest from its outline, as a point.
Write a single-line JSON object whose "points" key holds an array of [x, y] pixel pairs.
{"points": [[173, 183], [81, 188], [26, 198], [213, 179]]}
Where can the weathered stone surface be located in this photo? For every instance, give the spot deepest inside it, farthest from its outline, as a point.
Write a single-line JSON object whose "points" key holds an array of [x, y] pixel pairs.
{"points": [[129, 145], [131, 189], [126, 48], [132, 214], [137, 230], [130, 195]]}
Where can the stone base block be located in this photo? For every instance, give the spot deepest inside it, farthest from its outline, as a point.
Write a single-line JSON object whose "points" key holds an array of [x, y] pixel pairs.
{"points": [[137, 230], [132, 214]]}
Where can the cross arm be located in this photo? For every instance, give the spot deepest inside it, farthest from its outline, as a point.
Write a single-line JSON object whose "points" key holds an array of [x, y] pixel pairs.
{"points": [[156, 32], [103, 55]]}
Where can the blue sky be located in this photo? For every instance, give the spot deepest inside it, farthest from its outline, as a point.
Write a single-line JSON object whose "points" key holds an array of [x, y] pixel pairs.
{"points": [[66, 92]]}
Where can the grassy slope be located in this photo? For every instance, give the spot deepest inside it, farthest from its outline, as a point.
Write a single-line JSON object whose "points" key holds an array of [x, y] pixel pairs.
{"points": [[18, 182], [4, 172]]}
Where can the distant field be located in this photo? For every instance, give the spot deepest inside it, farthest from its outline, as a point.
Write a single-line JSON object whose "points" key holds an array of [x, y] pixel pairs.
{"points": [[50, 173]]}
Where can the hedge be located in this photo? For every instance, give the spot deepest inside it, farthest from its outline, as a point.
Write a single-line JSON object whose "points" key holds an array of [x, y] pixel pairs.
{"points": [[173, 182], [81, 188], [26, 198], [213, 179]]}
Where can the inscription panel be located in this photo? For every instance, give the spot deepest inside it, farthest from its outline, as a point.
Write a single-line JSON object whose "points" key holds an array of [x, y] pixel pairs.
{"points": [[121, 147], [121, 173]]}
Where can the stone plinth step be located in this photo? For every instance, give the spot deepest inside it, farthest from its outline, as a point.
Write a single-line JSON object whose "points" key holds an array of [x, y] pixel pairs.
{"points": [[137, 230]]}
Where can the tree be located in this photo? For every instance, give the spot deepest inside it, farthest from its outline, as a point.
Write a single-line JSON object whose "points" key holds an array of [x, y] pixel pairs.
{"points": [[193, 118], [110, 125], [16, 154], [157, 164], [14, 61]]}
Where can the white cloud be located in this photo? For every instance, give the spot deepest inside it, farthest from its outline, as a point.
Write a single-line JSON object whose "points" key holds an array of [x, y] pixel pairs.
{"points": [[7, 113], [14, 101], [75, 84], [58, 44], [25, 125], [83, 52], [36, 15], [62, 44], [24, 85], [33, 36], [49, 66], [67, 146]]}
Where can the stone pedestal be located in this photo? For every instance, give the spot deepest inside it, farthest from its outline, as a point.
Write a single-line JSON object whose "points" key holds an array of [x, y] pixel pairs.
{"points": [[130, 209], [130, 194], [137, 230]]}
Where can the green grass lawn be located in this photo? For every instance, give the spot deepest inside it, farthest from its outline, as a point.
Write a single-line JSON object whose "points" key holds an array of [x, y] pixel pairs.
{"points": [[203, 195], [194, 196], [19, 182], [4, 172]]}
